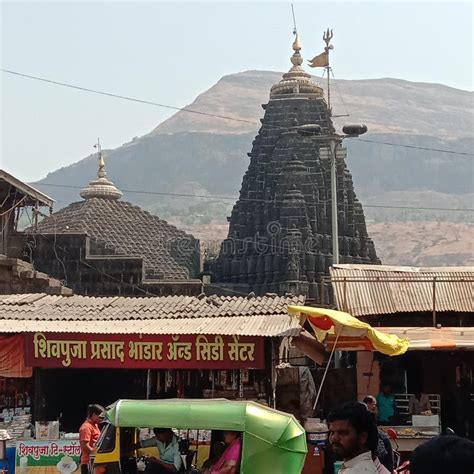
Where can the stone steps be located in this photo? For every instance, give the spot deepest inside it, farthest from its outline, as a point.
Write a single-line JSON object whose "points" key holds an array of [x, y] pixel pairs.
{"points": [[18, 276]]}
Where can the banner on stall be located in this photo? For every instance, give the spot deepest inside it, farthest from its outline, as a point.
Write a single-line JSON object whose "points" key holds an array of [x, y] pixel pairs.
{"points": [[130, 351], [47, 457]]}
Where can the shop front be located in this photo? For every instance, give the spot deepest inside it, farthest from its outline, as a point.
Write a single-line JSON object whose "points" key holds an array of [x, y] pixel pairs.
{"points": [[439, 364], [72, 370], [80, 350]]}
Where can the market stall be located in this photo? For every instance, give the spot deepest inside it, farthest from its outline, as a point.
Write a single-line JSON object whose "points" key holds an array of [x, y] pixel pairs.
{"points": [[332, 329], [134, 348], [437, 362], [418, 428]]}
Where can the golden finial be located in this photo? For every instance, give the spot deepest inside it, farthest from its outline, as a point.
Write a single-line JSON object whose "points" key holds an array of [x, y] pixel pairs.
{"points": [[101, 187], [297, 43]]}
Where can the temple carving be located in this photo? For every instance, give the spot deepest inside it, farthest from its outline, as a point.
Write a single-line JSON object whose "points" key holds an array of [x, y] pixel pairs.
{"points": [[279, 238]]}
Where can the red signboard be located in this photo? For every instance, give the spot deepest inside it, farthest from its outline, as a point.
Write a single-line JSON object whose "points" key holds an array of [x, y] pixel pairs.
{"points": [[132, 351]]}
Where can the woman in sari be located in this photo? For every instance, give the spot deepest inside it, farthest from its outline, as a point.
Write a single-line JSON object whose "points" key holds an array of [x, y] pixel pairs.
{"points": [[229, 462]]}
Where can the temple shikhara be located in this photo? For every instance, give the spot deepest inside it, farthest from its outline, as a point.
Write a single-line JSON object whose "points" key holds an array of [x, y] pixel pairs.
{"points": [[279, 238]]}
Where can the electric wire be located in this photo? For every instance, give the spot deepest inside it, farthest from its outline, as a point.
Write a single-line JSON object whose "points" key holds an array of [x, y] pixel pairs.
{"points": [[266, 201], [198, 112], [123, 97]]}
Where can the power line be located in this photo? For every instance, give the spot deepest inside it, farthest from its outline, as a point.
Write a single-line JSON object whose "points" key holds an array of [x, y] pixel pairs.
{"points": [[268, 201], [123, 97], [207, 114], [438, 150]]}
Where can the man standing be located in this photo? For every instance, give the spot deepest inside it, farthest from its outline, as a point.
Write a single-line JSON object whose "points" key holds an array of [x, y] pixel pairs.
{"points": [[168, 446], [386, 404], [89, 433], [353, 436]]}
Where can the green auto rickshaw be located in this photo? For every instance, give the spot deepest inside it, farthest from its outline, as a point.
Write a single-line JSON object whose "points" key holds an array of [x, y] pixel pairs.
{"points": [[272, 441]]}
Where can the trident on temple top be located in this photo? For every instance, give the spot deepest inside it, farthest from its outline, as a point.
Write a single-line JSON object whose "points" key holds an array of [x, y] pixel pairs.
{"points": [[327, 37], [322, 60]]}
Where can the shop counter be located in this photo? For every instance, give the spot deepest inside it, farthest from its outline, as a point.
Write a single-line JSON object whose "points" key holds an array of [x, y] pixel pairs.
{"points": [[409, 438], [408, 444]]}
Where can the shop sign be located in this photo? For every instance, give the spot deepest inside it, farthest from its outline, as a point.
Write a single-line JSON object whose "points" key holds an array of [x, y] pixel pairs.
{"points": [[50, 456], [131, 351]]}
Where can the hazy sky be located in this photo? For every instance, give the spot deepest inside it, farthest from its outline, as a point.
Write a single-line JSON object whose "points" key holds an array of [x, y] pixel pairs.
{"points": [[169, 52]]}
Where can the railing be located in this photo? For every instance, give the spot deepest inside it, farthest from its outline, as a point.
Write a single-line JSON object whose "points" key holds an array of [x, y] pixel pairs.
{"points": [[402, 401]]}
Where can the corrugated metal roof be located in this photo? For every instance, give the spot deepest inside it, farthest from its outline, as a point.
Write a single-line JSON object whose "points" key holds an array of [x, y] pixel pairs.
{"points": [[364, 290], [420, 339], [252, 316], [27, 190], [426, 338]]}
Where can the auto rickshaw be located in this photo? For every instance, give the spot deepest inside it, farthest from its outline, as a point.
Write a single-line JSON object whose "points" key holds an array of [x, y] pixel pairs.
{"points": [[272, 441]]}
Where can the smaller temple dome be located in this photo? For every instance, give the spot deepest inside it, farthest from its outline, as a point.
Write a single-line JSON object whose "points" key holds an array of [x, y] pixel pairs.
{"points": [[101, 187]]}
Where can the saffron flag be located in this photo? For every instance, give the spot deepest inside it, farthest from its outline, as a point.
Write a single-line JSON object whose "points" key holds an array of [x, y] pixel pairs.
{"points": [[322, 60], [329, 322]]}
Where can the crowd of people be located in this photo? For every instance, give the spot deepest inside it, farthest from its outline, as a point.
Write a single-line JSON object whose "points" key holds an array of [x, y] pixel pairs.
{"points": [[355, 437]]}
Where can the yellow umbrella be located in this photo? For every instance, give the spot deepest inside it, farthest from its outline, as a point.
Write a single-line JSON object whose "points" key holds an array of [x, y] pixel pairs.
{"points": [[349, 330]]}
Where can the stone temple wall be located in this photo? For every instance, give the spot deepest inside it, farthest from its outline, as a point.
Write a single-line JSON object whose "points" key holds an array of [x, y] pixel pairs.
{"points": [[89, 269]]}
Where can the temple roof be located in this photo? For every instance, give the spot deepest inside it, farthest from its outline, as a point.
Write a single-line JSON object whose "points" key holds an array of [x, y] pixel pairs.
{"points": [[280, 229], [120, 228], [124, 229], [101, 187], [296, 80]]}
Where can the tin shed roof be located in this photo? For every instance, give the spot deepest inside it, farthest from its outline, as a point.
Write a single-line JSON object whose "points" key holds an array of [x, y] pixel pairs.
{"points": [[365, 290]]}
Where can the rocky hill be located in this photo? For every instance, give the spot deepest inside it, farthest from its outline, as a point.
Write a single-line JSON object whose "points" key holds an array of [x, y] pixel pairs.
{"points": [[199, 155], [385, 105]]}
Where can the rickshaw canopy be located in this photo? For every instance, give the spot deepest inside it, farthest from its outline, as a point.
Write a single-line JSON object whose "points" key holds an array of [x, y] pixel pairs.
{"points": [[273, 441]]}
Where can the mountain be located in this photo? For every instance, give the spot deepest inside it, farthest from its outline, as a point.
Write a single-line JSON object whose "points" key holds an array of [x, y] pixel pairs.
{"points": [[384, 105], [201, 155]]}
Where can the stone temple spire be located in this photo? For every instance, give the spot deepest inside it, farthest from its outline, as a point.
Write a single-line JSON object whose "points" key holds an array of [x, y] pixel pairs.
{"points": [[101, 187], [280, 229]]}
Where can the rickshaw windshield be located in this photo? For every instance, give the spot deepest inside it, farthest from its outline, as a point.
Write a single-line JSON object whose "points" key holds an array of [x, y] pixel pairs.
{"points": [[106, 441]]}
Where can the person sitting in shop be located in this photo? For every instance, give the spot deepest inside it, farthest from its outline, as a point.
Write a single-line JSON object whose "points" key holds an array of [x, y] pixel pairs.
{"points": [[386, 404], [168, 446], [419, 404], [229, 462]]}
